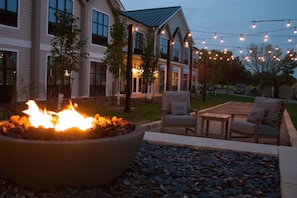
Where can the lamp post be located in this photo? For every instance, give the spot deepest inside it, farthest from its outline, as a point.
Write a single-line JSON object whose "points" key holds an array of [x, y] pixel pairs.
{"points": [[204, 78]]}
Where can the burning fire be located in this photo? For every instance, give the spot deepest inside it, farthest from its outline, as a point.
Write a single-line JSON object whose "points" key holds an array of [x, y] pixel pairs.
{"points": [[66, 119], [61, 121]]}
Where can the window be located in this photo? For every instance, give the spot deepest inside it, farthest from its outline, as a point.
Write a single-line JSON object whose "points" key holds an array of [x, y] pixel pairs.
{"points": [[99, 28], [97, 79], [138, 43], [57, 6], [8, 61], [9, 12], [186, 56], [7, 67], [176, 49], [163, 47]]}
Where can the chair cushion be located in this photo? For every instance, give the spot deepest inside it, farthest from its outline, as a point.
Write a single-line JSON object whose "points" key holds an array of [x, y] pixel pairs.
{"points": [[248, 128], [179, 108], [273, 106], [179, 120], [255, 113]]}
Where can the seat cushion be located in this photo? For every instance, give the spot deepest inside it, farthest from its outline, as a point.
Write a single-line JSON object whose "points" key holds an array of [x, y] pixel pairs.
{"points": [[179, 108], [184, 120], [248, 128]]}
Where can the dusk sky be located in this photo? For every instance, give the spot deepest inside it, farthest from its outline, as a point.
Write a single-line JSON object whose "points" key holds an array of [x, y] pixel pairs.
{"points": [[229, 19]]}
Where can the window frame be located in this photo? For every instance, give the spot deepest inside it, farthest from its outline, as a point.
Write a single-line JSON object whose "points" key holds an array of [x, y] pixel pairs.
{"points": [[50, 23], [8, 17], [138, 43], [164, 47], [176, 52], [100, 39]]}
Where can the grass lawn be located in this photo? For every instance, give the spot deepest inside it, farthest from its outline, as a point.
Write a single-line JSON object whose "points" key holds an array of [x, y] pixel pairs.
{"points": [[144, 112]]}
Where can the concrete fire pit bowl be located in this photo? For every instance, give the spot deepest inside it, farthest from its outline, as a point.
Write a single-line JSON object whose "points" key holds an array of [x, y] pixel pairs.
{"points": [[45, 165]]}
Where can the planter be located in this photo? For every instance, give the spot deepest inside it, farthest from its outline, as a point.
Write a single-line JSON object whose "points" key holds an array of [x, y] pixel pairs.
{"points": [[45, 165]]}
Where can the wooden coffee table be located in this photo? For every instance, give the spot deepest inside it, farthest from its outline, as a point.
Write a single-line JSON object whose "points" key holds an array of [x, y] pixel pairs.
{"points": [[223, 118]]}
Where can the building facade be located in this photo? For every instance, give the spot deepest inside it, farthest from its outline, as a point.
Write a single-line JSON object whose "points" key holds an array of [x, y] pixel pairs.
{"points": [[26, 30]]}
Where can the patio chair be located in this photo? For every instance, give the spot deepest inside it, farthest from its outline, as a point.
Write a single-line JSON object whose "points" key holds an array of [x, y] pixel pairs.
{"points": [[264, 120], [176, 111]]}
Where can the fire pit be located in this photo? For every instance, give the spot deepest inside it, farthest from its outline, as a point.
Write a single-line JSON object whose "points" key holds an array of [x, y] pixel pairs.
{"points": [[87, 162]]}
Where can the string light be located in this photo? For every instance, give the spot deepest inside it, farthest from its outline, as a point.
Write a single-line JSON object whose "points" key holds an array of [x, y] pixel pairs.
{"points": [[289, 39], [215, 36], [266, 37], [241, 37], [289, 23], [254, 25], [222, 40], [203, 41], [295, 31]]}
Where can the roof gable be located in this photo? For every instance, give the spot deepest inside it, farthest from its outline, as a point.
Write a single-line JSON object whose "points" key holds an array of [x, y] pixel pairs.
{"points": [[155, 17]]}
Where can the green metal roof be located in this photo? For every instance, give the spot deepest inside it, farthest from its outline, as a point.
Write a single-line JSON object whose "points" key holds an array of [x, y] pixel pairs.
{"points": [[154, 17]]}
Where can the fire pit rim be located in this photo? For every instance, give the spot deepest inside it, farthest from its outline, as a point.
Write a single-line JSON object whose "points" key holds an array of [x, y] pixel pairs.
{"points": [[103, 139]]}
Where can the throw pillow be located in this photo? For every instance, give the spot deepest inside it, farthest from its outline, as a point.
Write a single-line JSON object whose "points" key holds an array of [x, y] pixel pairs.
{"points": [[179, 108], [273, 106], [255, 113]]}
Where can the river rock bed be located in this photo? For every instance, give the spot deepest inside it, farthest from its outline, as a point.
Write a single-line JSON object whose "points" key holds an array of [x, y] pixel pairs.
{"points": [[173, 171]]}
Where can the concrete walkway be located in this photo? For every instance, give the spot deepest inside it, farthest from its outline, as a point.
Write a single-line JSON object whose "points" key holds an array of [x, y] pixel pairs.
{"points": [[286, 152]]}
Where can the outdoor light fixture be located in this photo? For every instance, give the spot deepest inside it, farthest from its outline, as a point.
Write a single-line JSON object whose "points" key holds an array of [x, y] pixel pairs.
{"points": [[295, 31], [215, 36], [203, 41], [222, 40], [240, 51]]}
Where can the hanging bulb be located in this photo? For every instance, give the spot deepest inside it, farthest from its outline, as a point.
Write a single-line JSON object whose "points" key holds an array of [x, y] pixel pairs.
{"points": [[289, 39], [289, 23], [215, 36], [241, 37], [203, 41], [266, 37], [240, 51], [254, 25], [222, 40], [295, 31]]}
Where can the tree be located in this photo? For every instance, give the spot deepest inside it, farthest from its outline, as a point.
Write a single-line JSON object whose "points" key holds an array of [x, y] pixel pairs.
{"points": [[114, 55], [220, 66], [150, 63], [66, 51], [268, 66]]}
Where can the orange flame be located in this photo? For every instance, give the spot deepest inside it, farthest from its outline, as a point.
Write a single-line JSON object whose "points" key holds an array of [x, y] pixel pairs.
{"points": [[63, 120]]}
